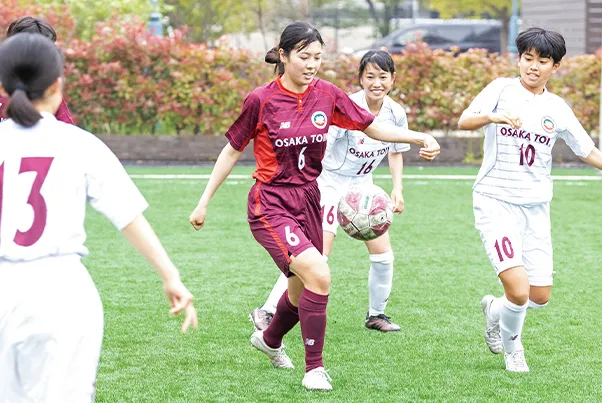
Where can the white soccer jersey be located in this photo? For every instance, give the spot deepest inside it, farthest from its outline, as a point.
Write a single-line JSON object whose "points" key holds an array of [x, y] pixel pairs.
{"points": [[47, 174], [351, 152], [517, 163]]}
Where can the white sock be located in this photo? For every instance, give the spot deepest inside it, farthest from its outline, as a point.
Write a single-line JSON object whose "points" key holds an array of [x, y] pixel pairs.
{"points": [[512, 318], [380, 280], [533, 305], [275, 295]]}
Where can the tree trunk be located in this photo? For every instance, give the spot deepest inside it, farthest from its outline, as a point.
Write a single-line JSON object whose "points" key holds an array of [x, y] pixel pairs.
{"points": [[260, 25], [505, 24], [373, 14]]}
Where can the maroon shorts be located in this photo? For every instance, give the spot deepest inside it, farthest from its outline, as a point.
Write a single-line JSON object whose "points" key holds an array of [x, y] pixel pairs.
{"points": [[286, 220]]}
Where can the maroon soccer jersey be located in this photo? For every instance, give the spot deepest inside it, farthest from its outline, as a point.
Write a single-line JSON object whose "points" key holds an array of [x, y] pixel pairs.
{"points": [[290, 129], [61, 114]]}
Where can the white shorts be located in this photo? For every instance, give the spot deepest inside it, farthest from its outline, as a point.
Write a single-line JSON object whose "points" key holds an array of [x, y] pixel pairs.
{"points": [[515, 235], [332, 187], [51, 325]]}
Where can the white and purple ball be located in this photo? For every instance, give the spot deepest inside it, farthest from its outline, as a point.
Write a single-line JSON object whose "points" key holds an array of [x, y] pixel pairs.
{"points": [[365, 212]]}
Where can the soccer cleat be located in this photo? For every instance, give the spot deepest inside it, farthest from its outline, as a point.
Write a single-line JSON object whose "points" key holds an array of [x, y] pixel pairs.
{"points": [[515, 361], [492, 327], [260, 318], [317, 379], [381, 322], [277, 356]]}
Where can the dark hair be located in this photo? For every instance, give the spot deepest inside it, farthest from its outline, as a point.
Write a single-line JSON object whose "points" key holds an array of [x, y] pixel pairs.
{"points": [[380, 58], [32, 26], [29, 64], [297, 35], [545, 43]]}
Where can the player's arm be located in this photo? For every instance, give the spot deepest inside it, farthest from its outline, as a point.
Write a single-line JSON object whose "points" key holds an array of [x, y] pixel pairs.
{"points": [[396, 168], [226, 160], [394, 134], [111, 191], [594, 158], [480, 112], [473, 121], [141, 235]]}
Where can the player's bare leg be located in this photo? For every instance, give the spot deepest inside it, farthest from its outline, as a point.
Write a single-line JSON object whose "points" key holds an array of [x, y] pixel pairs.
{"points": [[539, 296], [328, 242], [380, 281], [512, 317]]}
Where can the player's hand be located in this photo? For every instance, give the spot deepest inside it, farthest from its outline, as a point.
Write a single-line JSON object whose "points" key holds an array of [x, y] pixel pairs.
{"points": [[197, 217], [506, 118], [180, 300], [430, 148], [398, 202]]}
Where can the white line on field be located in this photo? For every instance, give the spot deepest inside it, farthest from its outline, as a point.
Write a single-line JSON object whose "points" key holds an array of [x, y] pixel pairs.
{"points": [[409, 176]]}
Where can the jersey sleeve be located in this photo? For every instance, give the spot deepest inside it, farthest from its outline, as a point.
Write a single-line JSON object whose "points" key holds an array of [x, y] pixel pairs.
{"points": [[401, 120], [336, 132], [349, 115], [110, 189], [488, 98], [574, 134], [245, 127], [63, 114]]}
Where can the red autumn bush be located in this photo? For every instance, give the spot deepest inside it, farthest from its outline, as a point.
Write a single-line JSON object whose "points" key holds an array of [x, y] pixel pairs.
{"points": [[124, 81]]}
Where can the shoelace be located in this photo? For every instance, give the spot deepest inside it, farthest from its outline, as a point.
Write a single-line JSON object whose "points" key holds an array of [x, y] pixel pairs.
{"points": [[518, 357], [385, 318], [324, 374], [493, 330]]}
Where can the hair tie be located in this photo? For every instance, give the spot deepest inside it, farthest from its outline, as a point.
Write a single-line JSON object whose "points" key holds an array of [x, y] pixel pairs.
{"points": [[21, 86]]}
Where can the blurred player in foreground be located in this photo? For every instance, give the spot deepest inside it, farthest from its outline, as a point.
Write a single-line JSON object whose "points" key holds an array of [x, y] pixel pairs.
{"points": [[288, 120], [34, 26], [350, 159], [513, 190], [51, 318]]}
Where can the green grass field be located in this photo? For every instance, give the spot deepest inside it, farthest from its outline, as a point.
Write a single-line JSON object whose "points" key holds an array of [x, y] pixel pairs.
{"points": [[441, 273]]}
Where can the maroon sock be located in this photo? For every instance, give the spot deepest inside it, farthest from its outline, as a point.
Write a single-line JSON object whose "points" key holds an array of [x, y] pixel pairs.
{"points": [[285, 318], [312, 314]]}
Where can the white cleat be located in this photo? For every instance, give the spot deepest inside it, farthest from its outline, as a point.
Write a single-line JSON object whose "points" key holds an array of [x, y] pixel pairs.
{"points": [[317, 379], [277, 356], [492, 327], [515, 361]]}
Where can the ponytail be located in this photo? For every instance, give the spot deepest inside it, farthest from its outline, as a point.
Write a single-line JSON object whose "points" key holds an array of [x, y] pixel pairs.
{"points": [[273, 57], [20, 109]]}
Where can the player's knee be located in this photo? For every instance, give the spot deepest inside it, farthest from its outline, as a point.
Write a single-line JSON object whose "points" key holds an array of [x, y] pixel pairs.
{"points": [[518, 295]]}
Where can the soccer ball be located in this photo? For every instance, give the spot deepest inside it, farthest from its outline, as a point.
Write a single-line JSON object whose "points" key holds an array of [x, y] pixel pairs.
{"points": [[365, 212]]}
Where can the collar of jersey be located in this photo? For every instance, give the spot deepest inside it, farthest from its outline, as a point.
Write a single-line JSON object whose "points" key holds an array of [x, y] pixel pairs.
{"points": [[294, 94], [544, 94]]}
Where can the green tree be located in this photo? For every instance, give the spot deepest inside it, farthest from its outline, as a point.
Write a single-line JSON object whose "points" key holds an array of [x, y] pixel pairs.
{"points": [[501, 9], [382, 22], [210, 19], [88, 12]]}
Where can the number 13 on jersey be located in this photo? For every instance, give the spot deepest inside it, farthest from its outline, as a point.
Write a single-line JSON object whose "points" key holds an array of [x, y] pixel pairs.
{"points": [[41, 166]]}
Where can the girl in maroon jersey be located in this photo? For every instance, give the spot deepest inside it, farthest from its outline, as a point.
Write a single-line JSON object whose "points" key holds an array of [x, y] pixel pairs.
{"points": [[34, 26], [288, 120]]}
